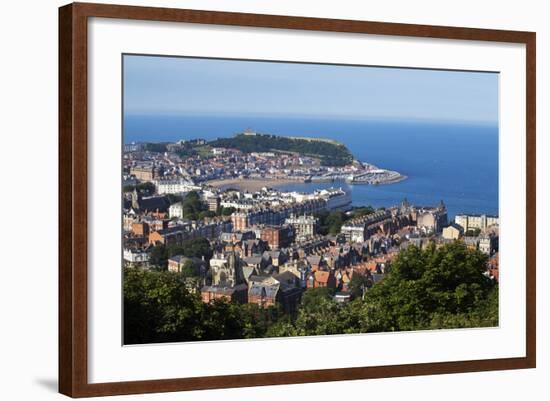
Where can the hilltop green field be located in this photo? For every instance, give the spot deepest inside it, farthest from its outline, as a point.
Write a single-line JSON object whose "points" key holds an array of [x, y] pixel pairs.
{"points": [[330, 153]]}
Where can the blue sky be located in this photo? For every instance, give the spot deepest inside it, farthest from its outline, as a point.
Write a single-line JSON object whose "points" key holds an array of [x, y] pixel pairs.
{"points": [[174, 85]]}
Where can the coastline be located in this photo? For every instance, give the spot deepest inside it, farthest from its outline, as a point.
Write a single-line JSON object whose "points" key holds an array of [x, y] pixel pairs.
{"points": [[256, 184], [250, 184], [401, 177]]}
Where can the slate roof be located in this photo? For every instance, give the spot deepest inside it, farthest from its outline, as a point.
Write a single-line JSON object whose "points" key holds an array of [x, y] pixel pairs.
{"points": [[153, 203], [287, 280], [274, 254], [253, 260], [252, 242], [182, 259], [456, 226], [178, 259], [314, 259], [262, 289], [249, 271], [224, 290], [171, 230]]}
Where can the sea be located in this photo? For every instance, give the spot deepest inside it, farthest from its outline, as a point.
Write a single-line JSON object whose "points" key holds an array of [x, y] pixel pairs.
{"points": [[456, 162]]}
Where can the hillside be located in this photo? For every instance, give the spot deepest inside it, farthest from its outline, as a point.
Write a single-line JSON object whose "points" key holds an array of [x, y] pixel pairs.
{"points": [[331, 153]]}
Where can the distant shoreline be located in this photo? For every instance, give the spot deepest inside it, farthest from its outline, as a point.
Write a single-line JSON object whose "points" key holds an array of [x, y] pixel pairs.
{"points": [[256, 184], [401, 177], [250, 184]]}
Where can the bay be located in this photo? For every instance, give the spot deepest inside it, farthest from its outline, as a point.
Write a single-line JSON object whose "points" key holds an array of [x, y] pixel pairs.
{"points": [[455, 162]]}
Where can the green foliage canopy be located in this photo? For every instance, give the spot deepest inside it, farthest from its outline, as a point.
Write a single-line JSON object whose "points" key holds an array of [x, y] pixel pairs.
{"points": [[197, 248], [158, 308], [147, 188], [430, 288], [330, 153], [159, 147], [194, 208]]}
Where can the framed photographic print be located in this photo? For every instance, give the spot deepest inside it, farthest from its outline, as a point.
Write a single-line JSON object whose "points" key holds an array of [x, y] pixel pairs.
{"points": [[253, 200]]}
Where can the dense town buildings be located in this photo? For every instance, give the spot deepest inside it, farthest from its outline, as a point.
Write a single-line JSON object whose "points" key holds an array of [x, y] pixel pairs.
{"points": [[267, 246]]}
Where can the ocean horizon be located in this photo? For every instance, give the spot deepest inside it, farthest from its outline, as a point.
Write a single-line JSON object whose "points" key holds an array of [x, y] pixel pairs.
{"points": [[456, 162]]}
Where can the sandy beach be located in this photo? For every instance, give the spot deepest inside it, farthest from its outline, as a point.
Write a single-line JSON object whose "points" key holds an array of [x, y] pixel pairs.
{"points": [[249, 184]]}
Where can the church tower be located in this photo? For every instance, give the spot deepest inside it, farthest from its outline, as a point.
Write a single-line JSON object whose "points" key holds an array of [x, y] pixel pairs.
{"points": [[136, 199], [405, 207], [234, 268]]}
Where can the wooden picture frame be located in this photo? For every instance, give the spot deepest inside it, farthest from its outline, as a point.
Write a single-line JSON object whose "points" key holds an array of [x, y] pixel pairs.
{"points": [[73, 203]]}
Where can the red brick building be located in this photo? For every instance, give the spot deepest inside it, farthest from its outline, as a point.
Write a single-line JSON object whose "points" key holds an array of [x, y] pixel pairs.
{"points": [[320, 279], [140, 229], [170, 236], [277, 237], [282, 289], [492, 267], [238, 293]]}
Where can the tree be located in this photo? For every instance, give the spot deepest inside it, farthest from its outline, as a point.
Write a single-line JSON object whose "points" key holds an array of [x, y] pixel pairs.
{"points": [[206, 214], [321, 317], [329, 153], [473, 232], [158, 257], [282, 329], [198, 248], [194, 208], [361, 211], [335, 221], [193, 248], [429, 286], [186, 150], [147, 188], [173, 198], [155, 147], [158, 308], [227, 211], [357, 285], [331, 222], [313, 297], [189, 269]]}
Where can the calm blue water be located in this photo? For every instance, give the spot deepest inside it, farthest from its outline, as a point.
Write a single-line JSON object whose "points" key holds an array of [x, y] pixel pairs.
{"points": [[454, 162]]}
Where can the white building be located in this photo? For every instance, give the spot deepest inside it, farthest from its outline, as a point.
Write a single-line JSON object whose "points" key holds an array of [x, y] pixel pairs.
{"points": [[454, 231], [336, 198], [238, 204], [305, 226], [488, 244], [476, 221], [354, 233], [133, 147], [135, 257], [176, 210], [176, 186], [485, 245], [218, 151]]}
